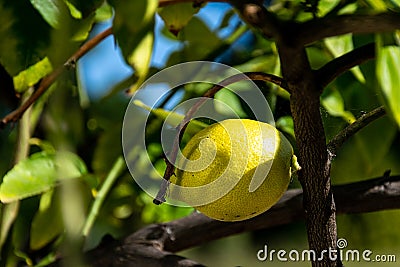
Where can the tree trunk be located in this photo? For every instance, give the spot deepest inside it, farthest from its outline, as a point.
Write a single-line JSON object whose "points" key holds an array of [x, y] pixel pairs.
{"points": [[318, 202]]}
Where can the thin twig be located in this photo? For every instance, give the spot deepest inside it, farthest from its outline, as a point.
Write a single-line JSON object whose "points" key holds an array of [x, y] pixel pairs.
{"points": [[49, 79], [353, 128], [112, 176], [339, 65], [255, 76]]}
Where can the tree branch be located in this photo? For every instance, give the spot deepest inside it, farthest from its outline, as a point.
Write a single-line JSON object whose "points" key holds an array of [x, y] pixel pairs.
{"points": [[318, 29], [47, 81], [339, 65], [255, 14], [353, 128], [366, 196]]}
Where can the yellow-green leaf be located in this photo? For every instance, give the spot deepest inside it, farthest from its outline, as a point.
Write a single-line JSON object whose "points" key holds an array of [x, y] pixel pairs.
{"points": [[39, 173], [32, 75], [172, 118], [388, 74], [54, 12], [177, 16], [134, 34], [340, 45], [334, 104], [140, 60]]}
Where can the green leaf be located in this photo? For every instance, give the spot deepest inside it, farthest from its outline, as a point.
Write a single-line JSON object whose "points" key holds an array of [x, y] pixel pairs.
{"points": [[200, 41], [134, 33], [24, 45], [47, 223], [366, 153], [333, 102], [63, 15], [177, 16], [286, 125], [140, 60], [324, 6], [378, 5], [84, 7], [340, 45], [39, 173], [228, 103], [173, 118], [53, 11], [104, 12], [33, 74], [388, 74]]}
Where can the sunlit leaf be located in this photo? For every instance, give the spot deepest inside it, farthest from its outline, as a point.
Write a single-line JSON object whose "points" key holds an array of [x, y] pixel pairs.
{"points": [[340, 45], [73, 10], [140, 60], [83, 7], [32, 75], [134, 34], [53, 11], [334, 104], [324, 6], [177, 16], [173, 118], [39, 173], [378, 5], [388, 73], [104, 12]]}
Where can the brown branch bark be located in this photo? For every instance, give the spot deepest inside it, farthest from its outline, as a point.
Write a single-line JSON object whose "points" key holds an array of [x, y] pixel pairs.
{"points": [[154, 244], [319, 205], [47, 81], [256, 15], [318, 29], [339, 65]]}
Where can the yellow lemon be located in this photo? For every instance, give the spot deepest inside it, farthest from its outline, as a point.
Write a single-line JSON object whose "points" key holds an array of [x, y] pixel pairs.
{"points": [[234, 170]]}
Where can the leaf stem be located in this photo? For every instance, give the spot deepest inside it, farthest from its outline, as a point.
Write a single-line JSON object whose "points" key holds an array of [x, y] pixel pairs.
{"points": [[116, 170]]}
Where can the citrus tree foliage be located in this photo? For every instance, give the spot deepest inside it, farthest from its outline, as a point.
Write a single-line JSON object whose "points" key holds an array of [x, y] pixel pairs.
{"points": [[64, 184]]}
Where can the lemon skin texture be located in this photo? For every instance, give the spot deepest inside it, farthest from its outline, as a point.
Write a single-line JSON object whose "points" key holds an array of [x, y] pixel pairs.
{"points": [[235, 169]]}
